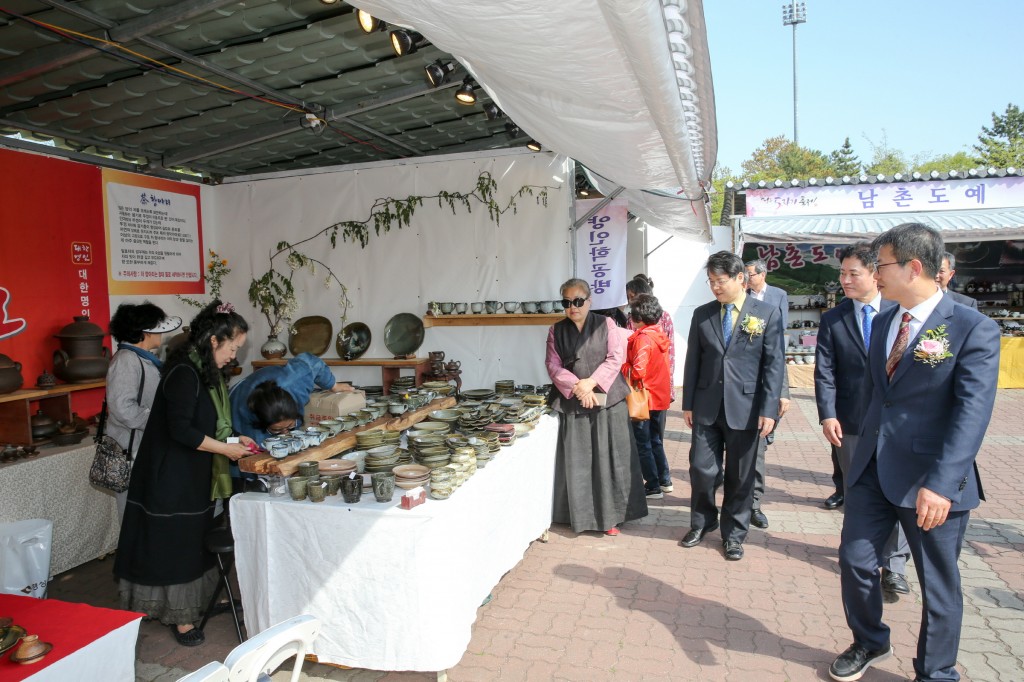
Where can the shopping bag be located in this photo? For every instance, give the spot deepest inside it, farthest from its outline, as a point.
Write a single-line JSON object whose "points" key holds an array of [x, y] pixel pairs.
{"points": [[25, 557], [636, 401]]}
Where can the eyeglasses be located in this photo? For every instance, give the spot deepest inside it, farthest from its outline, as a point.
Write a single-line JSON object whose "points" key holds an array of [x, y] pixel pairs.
{"points": [[716, 283], [277, 432], [577, 302], [895, 262]]}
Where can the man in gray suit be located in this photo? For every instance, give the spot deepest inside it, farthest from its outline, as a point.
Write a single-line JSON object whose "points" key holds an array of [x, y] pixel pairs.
{"points": [[758, 287], [945, 276], [732, 380]]}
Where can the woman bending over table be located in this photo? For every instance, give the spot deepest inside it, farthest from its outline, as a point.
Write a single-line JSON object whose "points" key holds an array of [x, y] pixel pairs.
{"points": [[181, 470], [597, 471]]}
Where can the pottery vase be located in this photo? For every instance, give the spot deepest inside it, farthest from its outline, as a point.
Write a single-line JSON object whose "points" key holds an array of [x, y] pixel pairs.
{"points": [[273, 349], [10, 374]]}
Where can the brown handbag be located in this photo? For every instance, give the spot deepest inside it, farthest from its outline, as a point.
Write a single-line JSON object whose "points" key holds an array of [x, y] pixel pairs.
{"points": [[636, 400]]}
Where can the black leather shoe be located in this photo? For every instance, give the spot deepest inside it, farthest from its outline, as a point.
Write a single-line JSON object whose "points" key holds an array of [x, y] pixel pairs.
{"points": [[894, 582], [733, 550], [834, 501], [693, 538], [851, 664], [758, 518]]}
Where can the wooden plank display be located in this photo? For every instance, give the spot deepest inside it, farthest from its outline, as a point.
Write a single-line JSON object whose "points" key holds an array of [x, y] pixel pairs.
{"points": [[266, 464]]}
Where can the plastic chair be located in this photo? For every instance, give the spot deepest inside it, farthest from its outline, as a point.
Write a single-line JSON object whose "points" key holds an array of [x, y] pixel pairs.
{"points": [[264, 653], [211, 672]]}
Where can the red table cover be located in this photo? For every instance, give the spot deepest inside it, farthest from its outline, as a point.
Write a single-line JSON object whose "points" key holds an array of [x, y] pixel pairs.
{"points": [[66, 625]]}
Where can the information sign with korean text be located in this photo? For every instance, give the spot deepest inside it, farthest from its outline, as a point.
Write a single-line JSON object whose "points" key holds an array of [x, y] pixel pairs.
{"points": [[601, 252]]}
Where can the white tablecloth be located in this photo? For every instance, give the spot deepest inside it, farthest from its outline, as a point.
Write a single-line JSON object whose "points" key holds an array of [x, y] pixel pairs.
{"points": [[396, 589], [110, 658], [55, 486]]}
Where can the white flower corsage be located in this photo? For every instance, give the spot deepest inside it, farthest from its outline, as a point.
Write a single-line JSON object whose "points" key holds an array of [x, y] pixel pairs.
{"points": [[752, 326], [933, 347]]}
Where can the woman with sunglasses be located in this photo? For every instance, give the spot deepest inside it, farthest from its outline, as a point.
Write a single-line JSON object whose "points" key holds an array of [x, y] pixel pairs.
{"points": [[598, 484], [270, 402]]}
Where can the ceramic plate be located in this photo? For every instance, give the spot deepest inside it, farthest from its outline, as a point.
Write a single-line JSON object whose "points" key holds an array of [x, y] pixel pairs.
{"points": [[10, 636], [310, 335], [353, 341], [403, 334]]}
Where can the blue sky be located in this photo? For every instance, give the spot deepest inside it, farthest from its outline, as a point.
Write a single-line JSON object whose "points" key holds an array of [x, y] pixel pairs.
{"points": [[925, 76]]}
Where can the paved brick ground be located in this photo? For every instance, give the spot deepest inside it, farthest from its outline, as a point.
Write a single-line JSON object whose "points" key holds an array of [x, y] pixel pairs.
{"points": [[638, 607]]}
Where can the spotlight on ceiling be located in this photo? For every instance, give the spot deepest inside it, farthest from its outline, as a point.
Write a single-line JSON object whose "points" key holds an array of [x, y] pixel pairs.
{"points": [[438, 72], [533, 146], [512, 130], [368, 22], [466, 94], [492, 112], [329, 2], [405, 42]]}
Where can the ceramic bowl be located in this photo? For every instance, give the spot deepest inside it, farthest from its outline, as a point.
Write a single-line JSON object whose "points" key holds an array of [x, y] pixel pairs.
{"points": [[445, 415]]}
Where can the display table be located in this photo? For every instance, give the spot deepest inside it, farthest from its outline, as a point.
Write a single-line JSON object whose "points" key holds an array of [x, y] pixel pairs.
{"points": [[800, 376], [89, 643], [1011, 362], [54, 485], [395, 589]]}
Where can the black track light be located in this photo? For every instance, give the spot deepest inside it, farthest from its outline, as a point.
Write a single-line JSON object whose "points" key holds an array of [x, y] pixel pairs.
{"points": [[368, 22], [466, 94], [438, 72], [533, 146], [405, 42], [492, 112], [512, 130]]}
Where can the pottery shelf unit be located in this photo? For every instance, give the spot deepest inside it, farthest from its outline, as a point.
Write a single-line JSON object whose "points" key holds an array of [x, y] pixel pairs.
{"points": [[16, 410], [390, 368], [492, 319]]}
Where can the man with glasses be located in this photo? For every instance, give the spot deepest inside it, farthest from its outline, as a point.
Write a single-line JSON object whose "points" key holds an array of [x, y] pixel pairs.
{"points": [[945, 276], [732, 380], [931, 381]]}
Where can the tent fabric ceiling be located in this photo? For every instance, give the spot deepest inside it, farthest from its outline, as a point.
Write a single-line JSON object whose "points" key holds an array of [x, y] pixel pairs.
{"points": [[227, 87], [955, 226]]}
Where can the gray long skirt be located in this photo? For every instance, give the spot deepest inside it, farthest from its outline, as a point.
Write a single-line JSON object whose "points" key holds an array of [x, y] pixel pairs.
{"points": [[170, 604], [598, 483]]}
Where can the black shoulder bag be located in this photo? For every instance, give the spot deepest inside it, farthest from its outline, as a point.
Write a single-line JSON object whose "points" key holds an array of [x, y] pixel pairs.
{"points": [[111, 467]]}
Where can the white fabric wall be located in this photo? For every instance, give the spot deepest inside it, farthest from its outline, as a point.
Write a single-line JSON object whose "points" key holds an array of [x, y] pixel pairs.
{"points": [[440, 257]]}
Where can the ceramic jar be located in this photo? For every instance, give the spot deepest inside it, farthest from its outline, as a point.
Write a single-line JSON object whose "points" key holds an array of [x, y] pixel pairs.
{"points": [[273, 348], [10, 374], [82, 357], [43, 426]]}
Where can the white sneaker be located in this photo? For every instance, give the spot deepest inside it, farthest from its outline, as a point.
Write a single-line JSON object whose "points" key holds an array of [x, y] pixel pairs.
{"points": [[667, 488], [654, 494]]}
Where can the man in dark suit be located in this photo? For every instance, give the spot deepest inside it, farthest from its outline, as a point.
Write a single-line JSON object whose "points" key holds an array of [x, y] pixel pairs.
{"points": [[839, 378], [945, 276], [732, 379], [758, 287], [931, 380]]}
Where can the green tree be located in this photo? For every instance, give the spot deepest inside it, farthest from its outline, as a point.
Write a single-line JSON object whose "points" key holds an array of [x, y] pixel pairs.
{"points": [[779, 158], [885, 160], [961, 161], [1002, 145], [843, 161]]}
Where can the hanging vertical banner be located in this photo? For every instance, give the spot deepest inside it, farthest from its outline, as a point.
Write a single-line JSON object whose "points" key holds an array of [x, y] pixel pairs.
{"points": [[154, 235], [601, 252]]}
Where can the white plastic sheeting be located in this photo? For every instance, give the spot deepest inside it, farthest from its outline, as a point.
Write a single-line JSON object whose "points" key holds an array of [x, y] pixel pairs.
{"points": [[622, 86]]}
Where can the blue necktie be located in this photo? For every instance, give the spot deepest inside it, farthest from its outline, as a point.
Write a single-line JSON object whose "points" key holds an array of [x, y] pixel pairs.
{"points": [[727, 323], [869, 315]]}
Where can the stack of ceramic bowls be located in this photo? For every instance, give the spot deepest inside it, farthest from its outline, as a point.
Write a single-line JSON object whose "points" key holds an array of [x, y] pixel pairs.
{"points": [[533, 400], [506, 433], [445, 416], [439, 428], [370, 439], [524, 389], [505, 387], [442, 483], [467, 457], [481, 449], [402, 384], [409, 476], [381, 458], [430, 450], [372, 391], [473, 420], [337, 466], [439, 387], [478, 394]]}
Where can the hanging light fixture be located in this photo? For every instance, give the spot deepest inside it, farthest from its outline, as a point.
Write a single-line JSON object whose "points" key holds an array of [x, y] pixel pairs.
{"points": [[533, 146], [492, 112], [405, 42], [438, 72], [466, 94], [368, 22]]}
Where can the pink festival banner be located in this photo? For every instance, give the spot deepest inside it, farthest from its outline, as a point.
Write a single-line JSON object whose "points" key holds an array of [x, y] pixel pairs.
{"points": [[601, 251]]}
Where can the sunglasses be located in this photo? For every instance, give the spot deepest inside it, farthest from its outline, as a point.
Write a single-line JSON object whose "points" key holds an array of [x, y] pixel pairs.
{"points": [[577, 302]]}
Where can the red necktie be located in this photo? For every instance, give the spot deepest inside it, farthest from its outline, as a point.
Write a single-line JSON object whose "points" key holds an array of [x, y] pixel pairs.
{"points": [[898, 348]]}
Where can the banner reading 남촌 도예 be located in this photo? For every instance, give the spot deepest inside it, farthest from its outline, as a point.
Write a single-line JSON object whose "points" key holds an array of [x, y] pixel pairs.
{"points": [[601, 252]]}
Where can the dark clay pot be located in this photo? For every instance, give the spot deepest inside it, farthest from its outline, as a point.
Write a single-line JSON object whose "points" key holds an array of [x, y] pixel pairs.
{"points": [[10, 375], [43, 426], [82, 357]]}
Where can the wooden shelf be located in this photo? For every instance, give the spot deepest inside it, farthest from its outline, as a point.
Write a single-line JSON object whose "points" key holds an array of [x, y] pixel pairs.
{"points": [[495, 320], [60, 389], [15, 415]]}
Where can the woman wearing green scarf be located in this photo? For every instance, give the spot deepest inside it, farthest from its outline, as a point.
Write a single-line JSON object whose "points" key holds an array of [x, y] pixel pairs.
{"points": [[180, 471]]}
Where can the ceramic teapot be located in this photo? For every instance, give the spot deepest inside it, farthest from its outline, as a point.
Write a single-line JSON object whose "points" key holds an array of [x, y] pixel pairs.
{"points": [[10, 374], [82, 357]]}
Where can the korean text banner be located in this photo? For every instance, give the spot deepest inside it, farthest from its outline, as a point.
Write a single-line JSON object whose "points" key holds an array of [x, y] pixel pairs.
{"points": [[891, 197], [601, 252], [154, 235]]}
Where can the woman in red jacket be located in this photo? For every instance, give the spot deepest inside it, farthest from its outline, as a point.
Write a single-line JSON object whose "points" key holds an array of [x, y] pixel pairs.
{"points": [[647, 364]]}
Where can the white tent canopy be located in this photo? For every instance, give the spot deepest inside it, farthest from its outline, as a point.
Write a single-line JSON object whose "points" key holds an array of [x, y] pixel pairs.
{"points": [[623, 87]]}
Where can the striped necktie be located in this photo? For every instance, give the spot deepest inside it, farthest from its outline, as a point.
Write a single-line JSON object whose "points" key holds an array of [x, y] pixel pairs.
{"points": [[899, 347], [727, 323]]}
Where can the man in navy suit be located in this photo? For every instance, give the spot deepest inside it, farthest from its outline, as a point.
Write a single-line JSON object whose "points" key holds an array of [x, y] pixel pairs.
{"points": [[839, 377], [931, 381], [945, 276], [731, 384]]}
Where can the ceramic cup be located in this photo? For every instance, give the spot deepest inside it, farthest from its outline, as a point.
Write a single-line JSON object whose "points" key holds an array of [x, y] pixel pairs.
{"points": [[447, 308], [477, 307], [333, 482], [383, 485], [492, 306], [544, 306], [511, 306], [297, 487], [352, 489], [277, 486], [317, 491], [529, 306], [309, 469], [461, 308]]}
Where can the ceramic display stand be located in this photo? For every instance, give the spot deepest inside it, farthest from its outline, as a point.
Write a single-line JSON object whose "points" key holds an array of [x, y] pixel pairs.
{"points": [[16, 410]]}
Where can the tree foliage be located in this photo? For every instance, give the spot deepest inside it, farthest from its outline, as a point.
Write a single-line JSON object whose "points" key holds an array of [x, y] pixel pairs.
{"points": [[844, 161], [1002, 145]]}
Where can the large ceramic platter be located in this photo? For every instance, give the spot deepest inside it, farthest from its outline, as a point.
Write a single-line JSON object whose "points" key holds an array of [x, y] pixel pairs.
{"points": [[310, 335], [403, 334], [9, 637], [353, 341]]}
